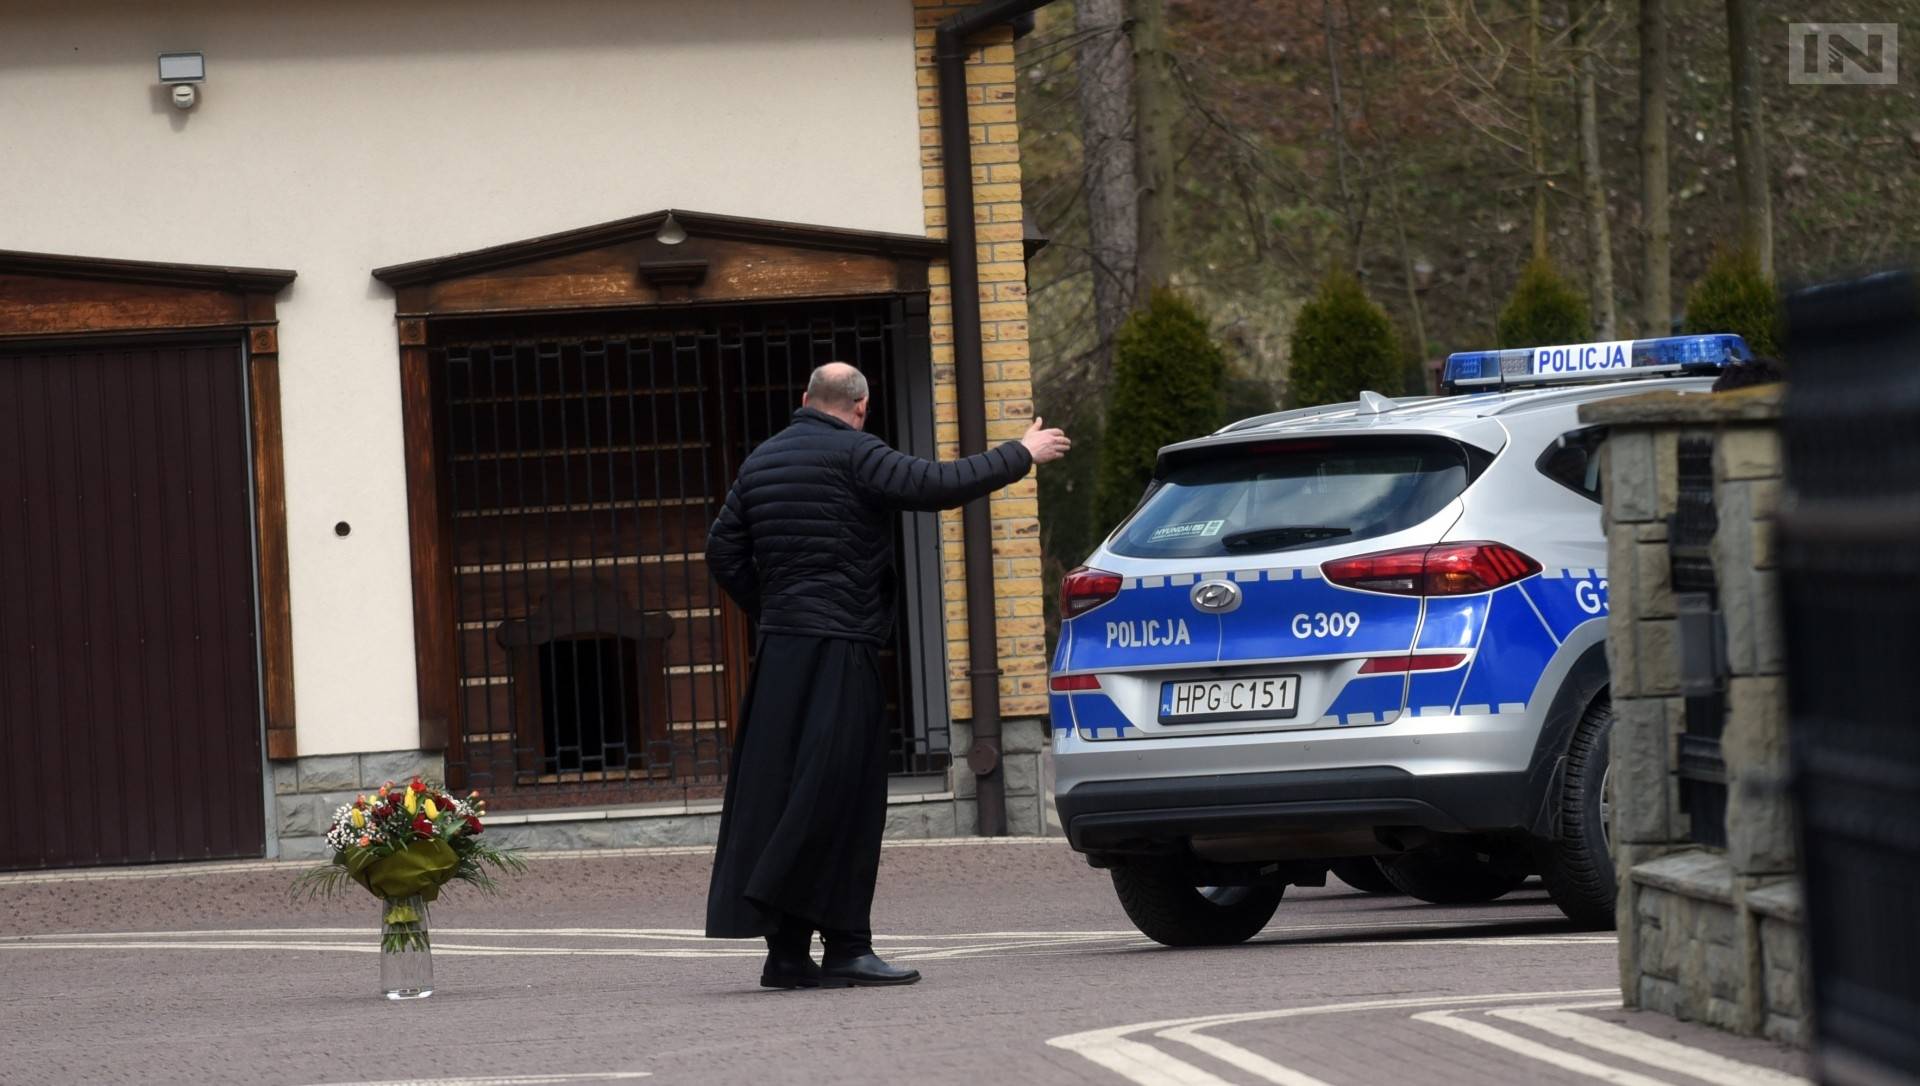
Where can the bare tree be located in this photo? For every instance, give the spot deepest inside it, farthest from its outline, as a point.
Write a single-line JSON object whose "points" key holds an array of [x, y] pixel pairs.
{"points": [[1337, 106], [1153, 96], [1749, 138], [1105, 57], [1536, 132], [1656, 228], [1478, 60], [1586, 19]]}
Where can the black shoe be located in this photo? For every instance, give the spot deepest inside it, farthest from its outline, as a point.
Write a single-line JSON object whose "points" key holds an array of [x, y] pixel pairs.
{"points": [[789, 970], [864, 971]]}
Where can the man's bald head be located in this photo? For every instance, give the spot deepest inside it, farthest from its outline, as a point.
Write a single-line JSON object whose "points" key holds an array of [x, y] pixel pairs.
{"points": [[839, 390]]}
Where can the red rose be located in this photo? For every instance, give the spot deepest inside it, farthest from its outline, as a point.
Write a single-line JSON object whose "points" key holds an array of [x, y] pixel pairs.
{"points": [[383, 811], [423, 826], [473, 825]]}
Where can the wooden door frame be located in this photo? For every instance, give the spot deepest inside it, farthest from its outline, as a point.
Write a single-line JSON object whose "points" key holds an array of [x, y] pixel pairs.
{"points": [[46, 296], [610, 267]]}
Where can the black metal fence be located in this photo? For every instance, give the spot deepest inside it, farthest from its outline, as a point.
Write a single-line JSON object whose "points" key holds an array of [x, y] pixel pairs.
{"points": [[598, 662], [1850, 551], [1702, 633]]}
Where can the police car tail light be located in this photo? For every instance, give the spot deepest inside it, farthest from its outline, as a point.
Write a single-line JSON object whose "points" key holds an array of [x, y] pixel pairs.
{"points": [[1450, 569], [1066, 684], [1460, 569], [1085, 589], [1402, 573]]}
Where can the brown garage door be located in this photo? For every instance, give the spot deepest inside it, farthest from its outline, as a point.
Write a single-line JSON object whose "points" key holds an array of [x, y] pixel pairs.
{"points": [[129, 705]]}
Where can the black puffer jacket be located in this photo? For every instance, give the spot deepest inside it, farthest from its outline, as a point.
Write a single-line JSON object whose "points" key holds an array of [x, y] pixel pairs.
{"points": [[804, 542]]}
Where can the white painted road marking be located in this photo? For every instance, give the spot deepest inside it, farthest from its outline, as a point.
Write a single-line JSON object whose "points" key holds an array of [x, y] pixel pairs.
{"points": [[506, 1080], [1148, 1066], [1513, 1042], [691, 943], [1116, 1049], [1635, 1045]]}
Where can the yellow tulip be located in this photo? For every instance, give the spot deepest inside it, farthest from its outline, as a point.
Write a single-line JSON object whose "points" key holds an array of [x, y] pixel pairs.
{"points": [[432, 811], [413, 801], [359, 820]]}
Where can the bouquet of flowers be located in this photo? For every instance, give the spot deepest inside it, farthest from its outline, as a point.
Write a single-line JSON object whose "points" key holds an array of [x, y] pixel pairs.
{"points": [[403, 845]]}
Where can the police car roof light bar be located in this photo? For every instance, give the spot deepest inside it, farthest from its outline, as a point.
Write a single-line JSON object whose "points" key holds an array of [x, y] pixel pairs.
{"points": [[1612, 360]]}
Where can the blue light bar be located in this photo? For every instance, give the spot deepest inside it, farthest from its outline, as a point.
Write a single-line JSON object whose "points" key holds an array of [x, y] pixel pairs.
{"points": [[1614, 360]]}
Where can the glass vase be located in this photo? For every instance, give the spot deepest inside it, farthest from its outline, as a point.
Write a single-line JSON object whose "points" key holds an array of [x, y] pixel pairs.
{"points": [[406, 950]]}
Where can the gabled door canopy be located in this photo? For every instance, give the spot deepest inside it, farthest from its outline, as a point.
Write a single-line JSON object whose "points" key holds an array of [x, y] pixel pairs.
{"points": [[625, 263]]}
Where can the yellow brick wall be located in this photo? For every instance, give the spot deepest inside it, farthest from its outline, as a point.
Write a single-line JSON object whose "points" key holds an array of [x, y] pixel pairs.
{"points": [[995, 129]]}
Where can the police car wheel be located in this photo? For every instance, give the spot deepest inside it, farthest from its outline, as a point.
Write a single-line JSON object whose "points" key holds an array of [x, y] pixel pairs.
{"points": [[1168, 908], [1363, 873], [1577, 864], [1454, 873]]}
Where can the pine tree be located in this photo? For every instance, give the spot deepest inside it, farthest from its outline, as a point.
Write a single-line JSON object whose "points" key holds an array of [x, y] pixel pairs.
{"points": [[1733, 296], [1342, 344], [1167, 387], [1544, 310]]}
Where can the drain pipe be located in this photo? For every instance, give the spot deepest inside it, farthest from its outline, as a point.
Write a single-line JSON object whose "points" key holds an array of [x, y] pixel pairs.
{"points": [[983, 646]]}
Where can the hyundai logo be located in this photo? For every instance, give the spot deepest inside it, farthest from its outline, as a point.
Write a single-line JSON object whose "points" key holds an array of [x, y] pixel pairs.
{"points": [[1216, 596]]}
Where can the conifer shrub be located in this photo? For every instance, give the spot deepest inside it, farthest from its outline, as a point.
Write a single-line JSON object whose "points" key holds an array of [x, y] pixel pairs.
{"points": [[1168, 380], [1342, 344], [1734, 297], [1544, 310]]}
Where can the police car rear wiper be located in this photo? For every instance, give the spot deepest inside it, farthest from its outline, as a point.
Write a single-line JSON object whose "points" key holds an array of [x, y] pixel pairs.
{"points": [[1299, 533]]}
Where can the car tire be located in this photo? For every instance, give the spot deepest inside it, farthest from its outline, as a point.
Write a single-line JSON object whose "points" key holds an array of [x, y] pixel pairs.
{"points": [[1169, 909], [1453, 873], [1363, 874], [1577, 865]]}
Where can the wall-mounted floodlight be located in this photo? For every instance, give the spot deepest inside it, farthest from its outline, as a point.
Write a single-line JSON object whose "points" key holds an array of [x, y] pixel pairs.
{"points": [[182, 71], [183, 68]]}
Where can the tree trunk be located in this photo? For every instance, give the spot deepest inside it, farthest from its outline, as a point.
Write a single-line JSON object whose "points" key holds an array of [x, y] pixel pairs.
{"points": [[1749, 138], [1406, 270], [1536, 133], [1656, 306], [1153, 146], [1338, 108], [1586, 17], [1106, 133]]}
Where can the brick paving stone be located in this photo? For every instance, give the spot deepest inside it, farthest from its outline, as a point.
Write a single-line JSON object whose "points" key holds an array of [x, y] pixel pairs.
{"points": [[637, 996]]}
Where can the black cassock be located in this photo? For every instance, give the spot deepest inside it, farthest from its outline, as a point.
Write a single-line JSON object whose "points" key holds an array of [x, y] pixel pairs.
{"points": [[808, 796], [804, 544]]}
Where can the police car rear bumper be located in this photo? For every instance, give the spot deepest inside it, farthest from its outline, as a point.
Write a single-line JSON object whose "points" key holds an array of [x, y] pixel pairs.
{"points": [[1163, 815]]}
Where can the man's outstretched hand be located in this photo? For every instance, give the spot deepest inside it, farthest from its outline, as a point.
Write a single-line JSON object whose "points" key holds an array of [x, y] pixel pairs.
{"points": [[1045, 445]]}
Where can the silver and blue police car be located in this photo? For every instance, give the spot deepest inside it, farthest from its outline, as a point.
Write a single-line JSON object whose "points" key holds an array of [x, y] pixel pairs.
{"points": [[1367, 639]]}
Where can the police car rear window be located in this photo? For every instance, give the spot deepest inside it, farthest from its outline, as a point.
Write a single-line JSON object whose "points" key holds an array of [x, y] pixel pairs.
{"points": [[1263, 497]]}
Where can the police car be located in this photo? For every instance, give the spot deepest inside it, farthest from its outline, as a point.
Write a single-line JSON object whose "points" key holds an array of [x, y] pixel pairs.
{"points": [[1366, 638]]}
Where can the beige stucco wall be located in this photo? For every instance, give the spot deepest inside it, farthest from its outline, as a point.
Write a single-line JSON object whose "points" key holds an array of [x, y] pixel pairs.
{"points": [[333, 138]]}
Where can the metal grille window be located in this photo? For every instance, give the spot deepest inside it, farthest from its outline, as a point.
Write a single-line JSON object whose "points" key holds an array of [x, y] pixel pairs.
{"points": [[598, 661], [1703, 654]]}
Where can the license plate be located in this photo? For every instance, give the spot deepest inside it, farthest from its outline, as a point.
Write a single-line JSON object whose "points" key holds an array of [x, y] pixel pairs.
{"points": [[1228, 699]]}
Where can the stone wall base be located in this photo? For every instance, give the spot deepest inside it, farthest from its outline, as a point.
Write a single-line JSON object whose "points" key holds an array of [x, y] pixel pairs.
{"points": [[308, 790], [1702, 944]]}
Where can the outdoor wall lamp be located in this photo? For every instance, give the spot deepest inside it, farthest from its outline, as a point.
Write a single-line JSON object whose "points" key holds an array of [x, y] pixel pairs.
{"points": [[182, 71], [670, 232]]}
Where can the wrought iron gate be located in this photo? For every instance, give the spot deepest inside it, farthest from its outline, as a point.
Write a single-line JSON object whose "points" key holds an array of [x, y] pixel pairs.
{"points": [[598, 662], [1850, 591]]}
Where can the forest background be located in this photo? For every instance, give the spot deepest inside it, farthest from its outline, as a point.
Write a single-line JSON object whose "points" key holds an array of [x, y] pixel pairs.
{"points": [[1280, 202]]}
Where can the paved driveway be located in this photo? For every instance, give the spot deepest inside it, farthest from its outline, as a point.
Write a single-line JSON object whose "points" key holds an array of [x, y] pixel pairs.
{"points": [[590, 969]]}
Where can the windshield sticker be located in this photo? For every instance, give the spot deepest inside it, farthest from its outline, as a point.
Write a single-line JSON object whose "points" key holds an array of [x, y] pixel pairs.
{"points": [[1199, 529]]}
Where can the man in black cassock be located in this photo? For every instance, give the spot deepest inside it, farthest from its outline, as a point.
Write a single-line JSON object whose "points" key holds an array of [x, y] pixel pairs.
{"points": [[804, 544]]}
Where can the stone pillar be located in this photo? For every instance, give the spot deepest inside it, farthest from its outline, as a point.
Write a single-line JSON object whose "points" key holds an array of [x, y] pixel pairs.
{"points": [[1705, 934]]}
